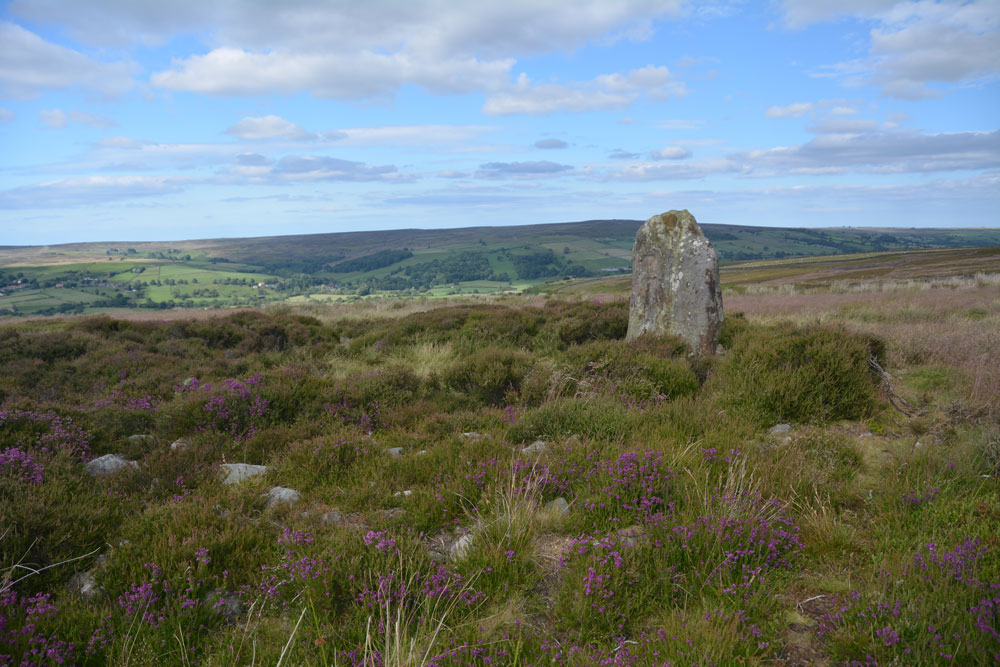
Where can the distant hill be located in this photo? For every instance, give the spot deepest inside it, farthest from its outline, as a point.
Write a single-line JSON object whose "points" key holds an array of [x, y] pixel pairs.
{"points": [[432, 262]]}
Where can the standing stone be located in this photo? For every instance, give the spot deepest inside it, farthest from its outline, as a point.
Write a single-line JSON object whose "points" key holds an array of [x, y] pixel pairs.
{"points": [[675, 282]]}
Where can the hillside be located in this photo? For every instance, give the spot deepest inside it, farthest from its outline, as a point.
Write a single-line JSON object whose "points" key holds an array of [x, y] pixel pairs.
{"points": [[504, 480], [220, 273]]}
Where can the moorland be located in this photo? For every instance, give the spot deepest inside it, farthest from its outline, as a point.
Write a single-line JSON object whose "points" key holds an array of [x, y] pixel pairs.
{"points": [[503, 480], [92, 278]]}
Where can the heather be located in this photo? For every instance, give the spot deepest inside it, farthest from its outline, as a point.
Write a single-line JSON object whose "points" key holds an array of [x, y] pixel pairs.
{"points": [[503, 483]]}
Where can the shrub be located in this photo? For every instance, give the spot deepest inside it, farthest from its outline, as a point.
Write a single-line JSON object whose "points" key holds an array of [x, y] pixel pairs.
{"points": [[799, 374], [488, 373]]}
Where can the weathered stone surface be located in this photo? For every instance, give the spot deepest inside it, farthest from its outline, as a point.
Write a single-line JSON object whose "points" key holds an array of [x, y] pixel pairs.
{"points": [[234, 473], [280, 495], [395, 452], [85, 585], [108, 464], [557, 507], [461, 547], [780, 429], [180, 444], [675, 282], [537, 447]]}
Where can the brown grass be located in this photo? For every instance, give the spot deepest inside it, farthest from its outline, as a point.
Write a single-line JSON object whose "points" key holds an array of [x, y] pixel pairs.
{"points": [[957, 328]]}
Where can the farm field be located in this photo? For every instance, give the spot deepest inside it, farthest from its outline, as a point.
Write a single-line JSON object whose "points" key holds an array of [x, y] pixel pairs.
{"points": [[484, 478], [233, 273]]}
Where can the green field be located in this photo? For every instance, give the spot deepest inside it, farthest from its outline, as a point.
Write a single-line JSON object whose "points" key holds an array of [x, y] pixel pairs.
{"points": [[584, 257]]}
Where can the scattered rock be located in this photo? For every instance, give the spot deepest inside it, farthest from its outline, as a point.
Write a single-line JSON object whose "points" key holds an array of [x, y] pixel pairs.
{"points": [[85, 585], [421, 452], [141, 439], [107, 465], [395, 452], [780, 429], [537, 447], [471, 435], [557, 507], [333, 516], [407, 493], [234, 473], [180, 444], [866, 434], [391, 513], [228, 604], [632, 536], [675, 282], [280, 495], [461, 547]]}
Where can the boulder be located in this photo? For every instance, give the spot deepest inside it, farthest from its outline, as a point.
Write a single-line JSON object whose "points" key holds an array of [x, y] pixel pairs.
{"points": [[675, 283], [85, 585], [180, 444], [234, 473], [537, 447], [557, 507], [461, 547], [280, 495], [108, 464]]}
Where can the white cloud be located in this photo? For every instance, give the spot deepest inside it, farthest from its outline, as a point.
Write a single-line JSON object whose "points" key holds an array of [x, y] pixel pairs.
{"points": [[794, 110], [883, 152], [671, 153], [803, 13], [495, 28], [298, 168], [604, 92], [914, 43], [53, 118], [407, 135], [85, 191], [843, 110], [6, 115], [57, 119], [843, 125], [531, 169], [267, 127], [551, 144], [229, 71], [91, 120], [667, 172], [30, 65]]}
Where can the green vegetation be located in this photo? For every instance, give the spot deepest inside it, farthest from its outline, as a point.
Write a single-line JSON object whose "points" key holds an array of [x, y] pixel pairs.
{"points": [[227, 273], [659, 519]]}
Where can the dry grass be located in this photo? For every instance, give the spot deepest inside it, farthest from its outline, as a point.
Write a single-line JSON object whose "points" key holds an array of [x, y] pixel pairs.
{"points": [[958, 328]]}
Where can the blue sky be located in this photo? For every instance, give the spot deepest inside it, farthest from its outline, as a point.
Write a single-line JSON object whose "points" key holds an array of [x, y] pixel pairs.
{"points": [[145, 120]]}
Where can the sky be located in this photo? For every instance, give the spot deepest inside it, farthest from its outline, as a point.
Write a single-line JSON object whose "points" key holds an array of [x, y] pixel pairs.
{"points": [[145, 120]]}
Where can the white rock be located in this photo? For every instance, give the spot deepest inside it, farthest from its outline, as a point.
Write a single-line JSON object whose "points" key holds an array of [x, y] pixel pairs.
{"points": [[537, 447], [140, 439], [234, 473], [180, 444], [407, 493], [471, 435], [557, 507], [280, 495], [780, 429], [107, 465], [85, 585], [461, 547], [395, 452]]}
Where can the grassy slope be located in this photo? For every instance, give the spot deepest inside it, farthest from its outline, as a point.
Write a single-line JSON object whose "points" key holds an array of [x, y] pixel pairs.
{"points": [[826, 572]]}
